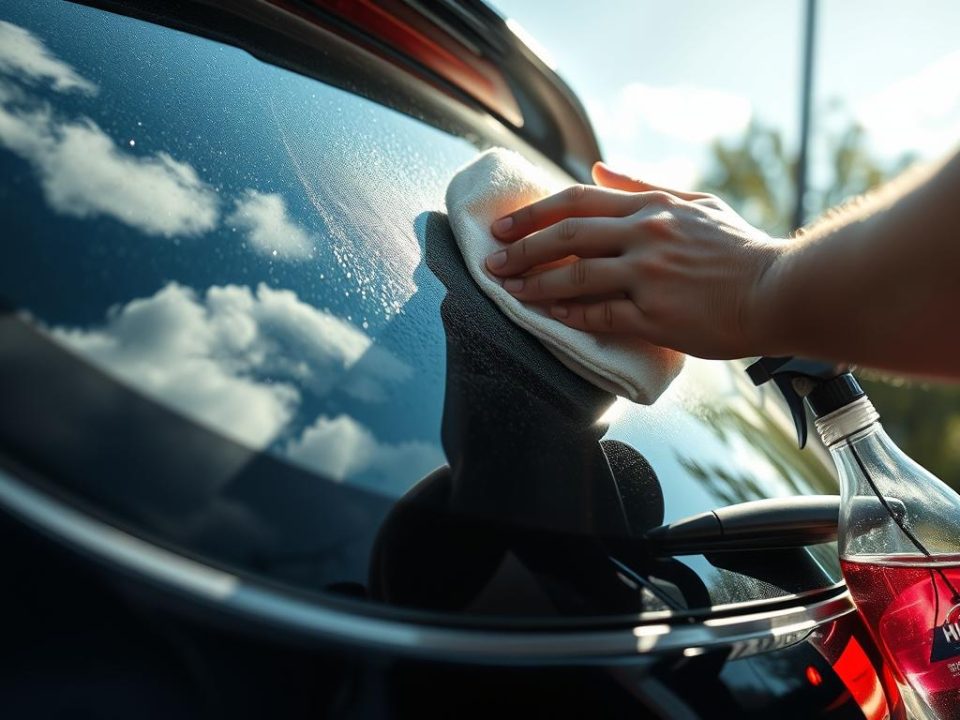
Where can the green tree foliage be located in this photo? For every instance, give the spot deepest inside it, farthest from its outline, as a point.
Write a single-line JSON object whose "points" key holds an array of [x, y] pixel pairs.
{"points": [[755, 174]]}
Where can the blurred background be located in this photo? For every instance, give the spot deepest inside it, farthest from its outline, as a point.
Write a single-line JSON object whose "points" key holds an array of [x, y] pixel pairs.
{"points": [[708, 95]]}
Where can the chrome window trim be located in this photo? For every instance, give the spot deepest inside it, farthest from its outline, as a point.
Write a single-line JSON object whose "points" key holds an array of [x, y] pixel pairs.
{"points": [[759, 604], [239, 596]]}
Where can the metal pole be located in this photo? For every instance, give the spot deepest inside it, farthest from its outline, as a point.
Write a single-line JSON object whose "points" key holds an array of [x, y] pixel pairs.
{"points": [[806, 99]]}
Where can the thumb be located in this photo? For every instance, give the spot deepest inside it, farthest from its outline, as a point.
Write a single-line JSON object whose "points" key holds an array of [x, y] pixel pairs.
{"points": [[605, 176]]}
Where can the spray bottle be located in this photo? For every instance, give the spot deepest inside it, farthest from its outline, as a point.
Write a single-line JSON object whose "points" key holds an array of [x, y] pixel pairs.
{"points": [[904, 571]]}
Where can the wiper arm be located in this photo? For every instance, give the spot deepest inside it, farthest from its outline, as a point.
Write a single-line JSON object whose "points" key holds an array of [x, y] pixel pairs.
{"points": [[758, 525]]}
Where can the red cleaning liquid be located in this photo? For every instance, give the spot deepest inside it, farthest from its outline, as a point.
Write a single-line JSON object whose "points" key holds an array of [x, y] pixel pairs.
{"points": [[912, 606]]}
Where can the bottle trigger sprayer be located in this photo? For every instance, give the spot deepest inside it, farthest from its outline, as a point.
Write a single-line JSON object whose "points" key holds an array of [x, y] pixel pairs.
{"points": [[899, 529]]}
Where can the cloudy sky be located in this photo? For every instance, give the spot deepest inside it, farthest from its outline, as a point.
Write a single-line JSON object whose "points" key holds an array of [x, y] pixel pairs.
{"points": [[662, 79]]}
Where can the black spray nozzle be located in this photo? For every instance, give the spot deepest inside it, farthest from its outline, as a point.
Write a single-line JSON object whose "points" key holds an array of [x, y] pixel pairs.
{"points": [[825, 386]]}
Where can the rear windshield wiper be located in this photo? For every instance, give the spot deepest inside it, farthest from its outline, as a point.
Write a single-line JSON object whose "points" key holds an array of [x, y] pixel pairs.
{"points": [[757, 525]]}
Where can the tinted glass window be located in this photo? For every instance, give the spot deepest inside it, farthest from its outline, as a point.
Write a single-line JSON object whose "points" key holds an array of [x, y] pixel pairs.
{"points": [[241, 327], [237, 242]]}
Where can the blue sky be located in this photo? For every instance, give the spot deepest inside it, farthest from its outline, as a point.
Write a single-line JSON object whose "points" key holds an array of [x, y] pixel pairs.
{"points": [[660, 80]]}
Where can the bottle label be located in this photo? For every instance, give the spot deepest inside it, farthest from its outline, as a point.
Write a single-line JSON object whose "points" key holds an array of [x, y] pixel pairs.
{"points": [[946, 637]]}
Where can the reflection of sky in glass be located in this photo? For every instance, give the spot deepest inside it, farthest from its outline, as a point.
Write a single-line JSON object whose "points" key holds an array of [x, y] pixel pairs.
{"points": [[242, 238], [240, 242]]}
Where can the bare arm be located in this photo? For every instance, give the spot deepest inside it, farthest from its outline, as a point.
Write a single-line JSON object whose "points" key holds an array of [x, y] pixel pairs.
{"points": [[875, 283]]}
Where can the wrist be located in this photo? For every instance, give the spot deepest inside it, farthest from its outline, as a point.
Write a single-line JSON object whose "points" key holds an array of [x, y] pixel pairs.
{"points": [[770, 316]]}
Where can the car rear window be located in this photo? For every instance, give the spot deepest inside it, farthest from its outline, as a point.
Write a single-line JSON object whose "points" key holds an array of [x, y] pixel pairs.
{"points": [[250, 335]]}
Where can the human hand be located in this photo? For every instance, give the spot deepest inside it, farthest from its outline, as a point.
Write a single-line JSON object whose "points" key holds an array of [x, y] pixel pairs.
{"points": [[682, 270]]}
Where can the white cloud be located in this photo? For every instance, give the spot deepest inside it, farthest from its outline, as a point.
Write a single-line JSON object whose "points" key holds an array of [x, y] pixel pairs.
{"points": [[233, 359], [341, 448], [687, 113], [84, 174], [315, 347], [189, 356], [920, 112], [24, 56], [268, 226]]}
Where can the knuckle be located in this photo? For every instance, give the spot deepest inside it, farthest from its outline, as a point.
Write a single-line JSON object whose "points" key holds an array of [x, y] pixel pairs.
{"points": [[655, 308], [567, 229], [657, 225], [579, 272], [646, 268], [606, 314], [536, 284], [520, 250], [574, 194], [659, 197], [600, 315], [655, 268]]}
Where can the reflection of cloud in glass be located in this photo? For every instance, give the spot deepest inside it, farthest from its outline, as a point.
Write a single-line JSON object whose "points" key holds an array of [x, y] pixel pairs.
{"points": [[233, 359], [191, 355], [314, 347], [24, 56], [342, 448], [268, 226], [82, 171]]}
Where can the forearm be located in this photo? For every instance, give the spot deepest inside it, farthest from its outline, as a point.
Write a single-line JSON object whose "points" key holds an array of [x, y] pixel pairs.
{"points": [[877, 283]]}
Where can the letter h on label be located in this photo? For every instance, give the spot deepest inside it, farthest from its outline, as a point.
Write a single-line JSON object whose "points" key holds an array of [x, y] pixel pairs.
{"points": [[951, 632]]}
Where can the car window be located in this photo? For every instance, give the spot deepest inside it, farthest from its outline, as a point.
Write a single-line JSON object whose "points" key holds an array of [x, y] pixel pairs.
{"points": [[264, 338]]}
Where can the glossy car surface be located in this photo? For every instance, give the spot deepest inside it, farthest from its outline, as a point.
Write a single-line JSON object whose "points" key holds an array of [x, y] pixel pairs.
{"points": [[266, 447]]}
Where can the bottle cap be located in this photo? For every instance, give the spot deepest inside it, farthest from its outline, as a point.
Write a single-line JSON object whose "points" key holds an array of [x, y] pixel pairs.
{"points": [[834, 394]]}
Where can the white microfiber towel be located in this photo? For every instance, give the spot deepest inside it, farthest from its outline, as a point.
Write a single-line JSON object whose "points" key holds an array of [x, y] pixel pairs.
{"points": [[498, 182]]}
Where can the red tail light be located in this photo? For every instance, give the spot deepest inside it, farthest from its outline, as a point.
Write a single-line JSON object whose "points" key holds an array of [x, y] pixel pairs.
{"points": [[397, 32], [846, 645], [856, 671]]}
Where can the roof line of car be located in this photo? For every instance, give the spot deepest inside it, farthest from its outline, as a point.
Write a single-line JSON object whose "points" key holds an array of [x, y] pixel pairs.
{"points": [[552, 120]]}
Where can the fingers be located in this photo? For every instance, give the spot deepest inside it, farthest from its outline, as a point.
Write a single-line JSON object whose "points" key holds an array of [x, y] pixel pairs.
{"points": [[604, 276], [605, 316], [575, 201], [583, 237], [604, 176]]}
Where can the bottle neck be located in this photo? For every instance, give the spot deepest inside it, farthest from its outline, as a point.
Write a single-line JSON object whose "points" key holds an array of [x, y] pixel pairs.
{"points": [[846, 421]]}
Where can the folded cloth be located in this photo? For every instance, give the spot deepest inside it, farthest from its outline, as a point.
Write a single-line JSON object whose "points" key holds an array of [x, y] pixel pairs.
{"points": [[498, 182]]}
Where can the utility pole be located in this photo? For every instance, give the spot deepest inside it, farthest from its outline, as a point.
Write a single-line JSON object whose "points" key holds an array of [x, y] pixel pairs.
{"points": [[806, 100]]}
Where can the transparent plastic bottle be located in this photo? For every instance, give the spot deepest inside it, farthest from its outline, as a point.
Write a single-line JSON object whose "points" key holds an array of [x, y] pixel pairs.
{"points": [[899, 543], [898, 533]]}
